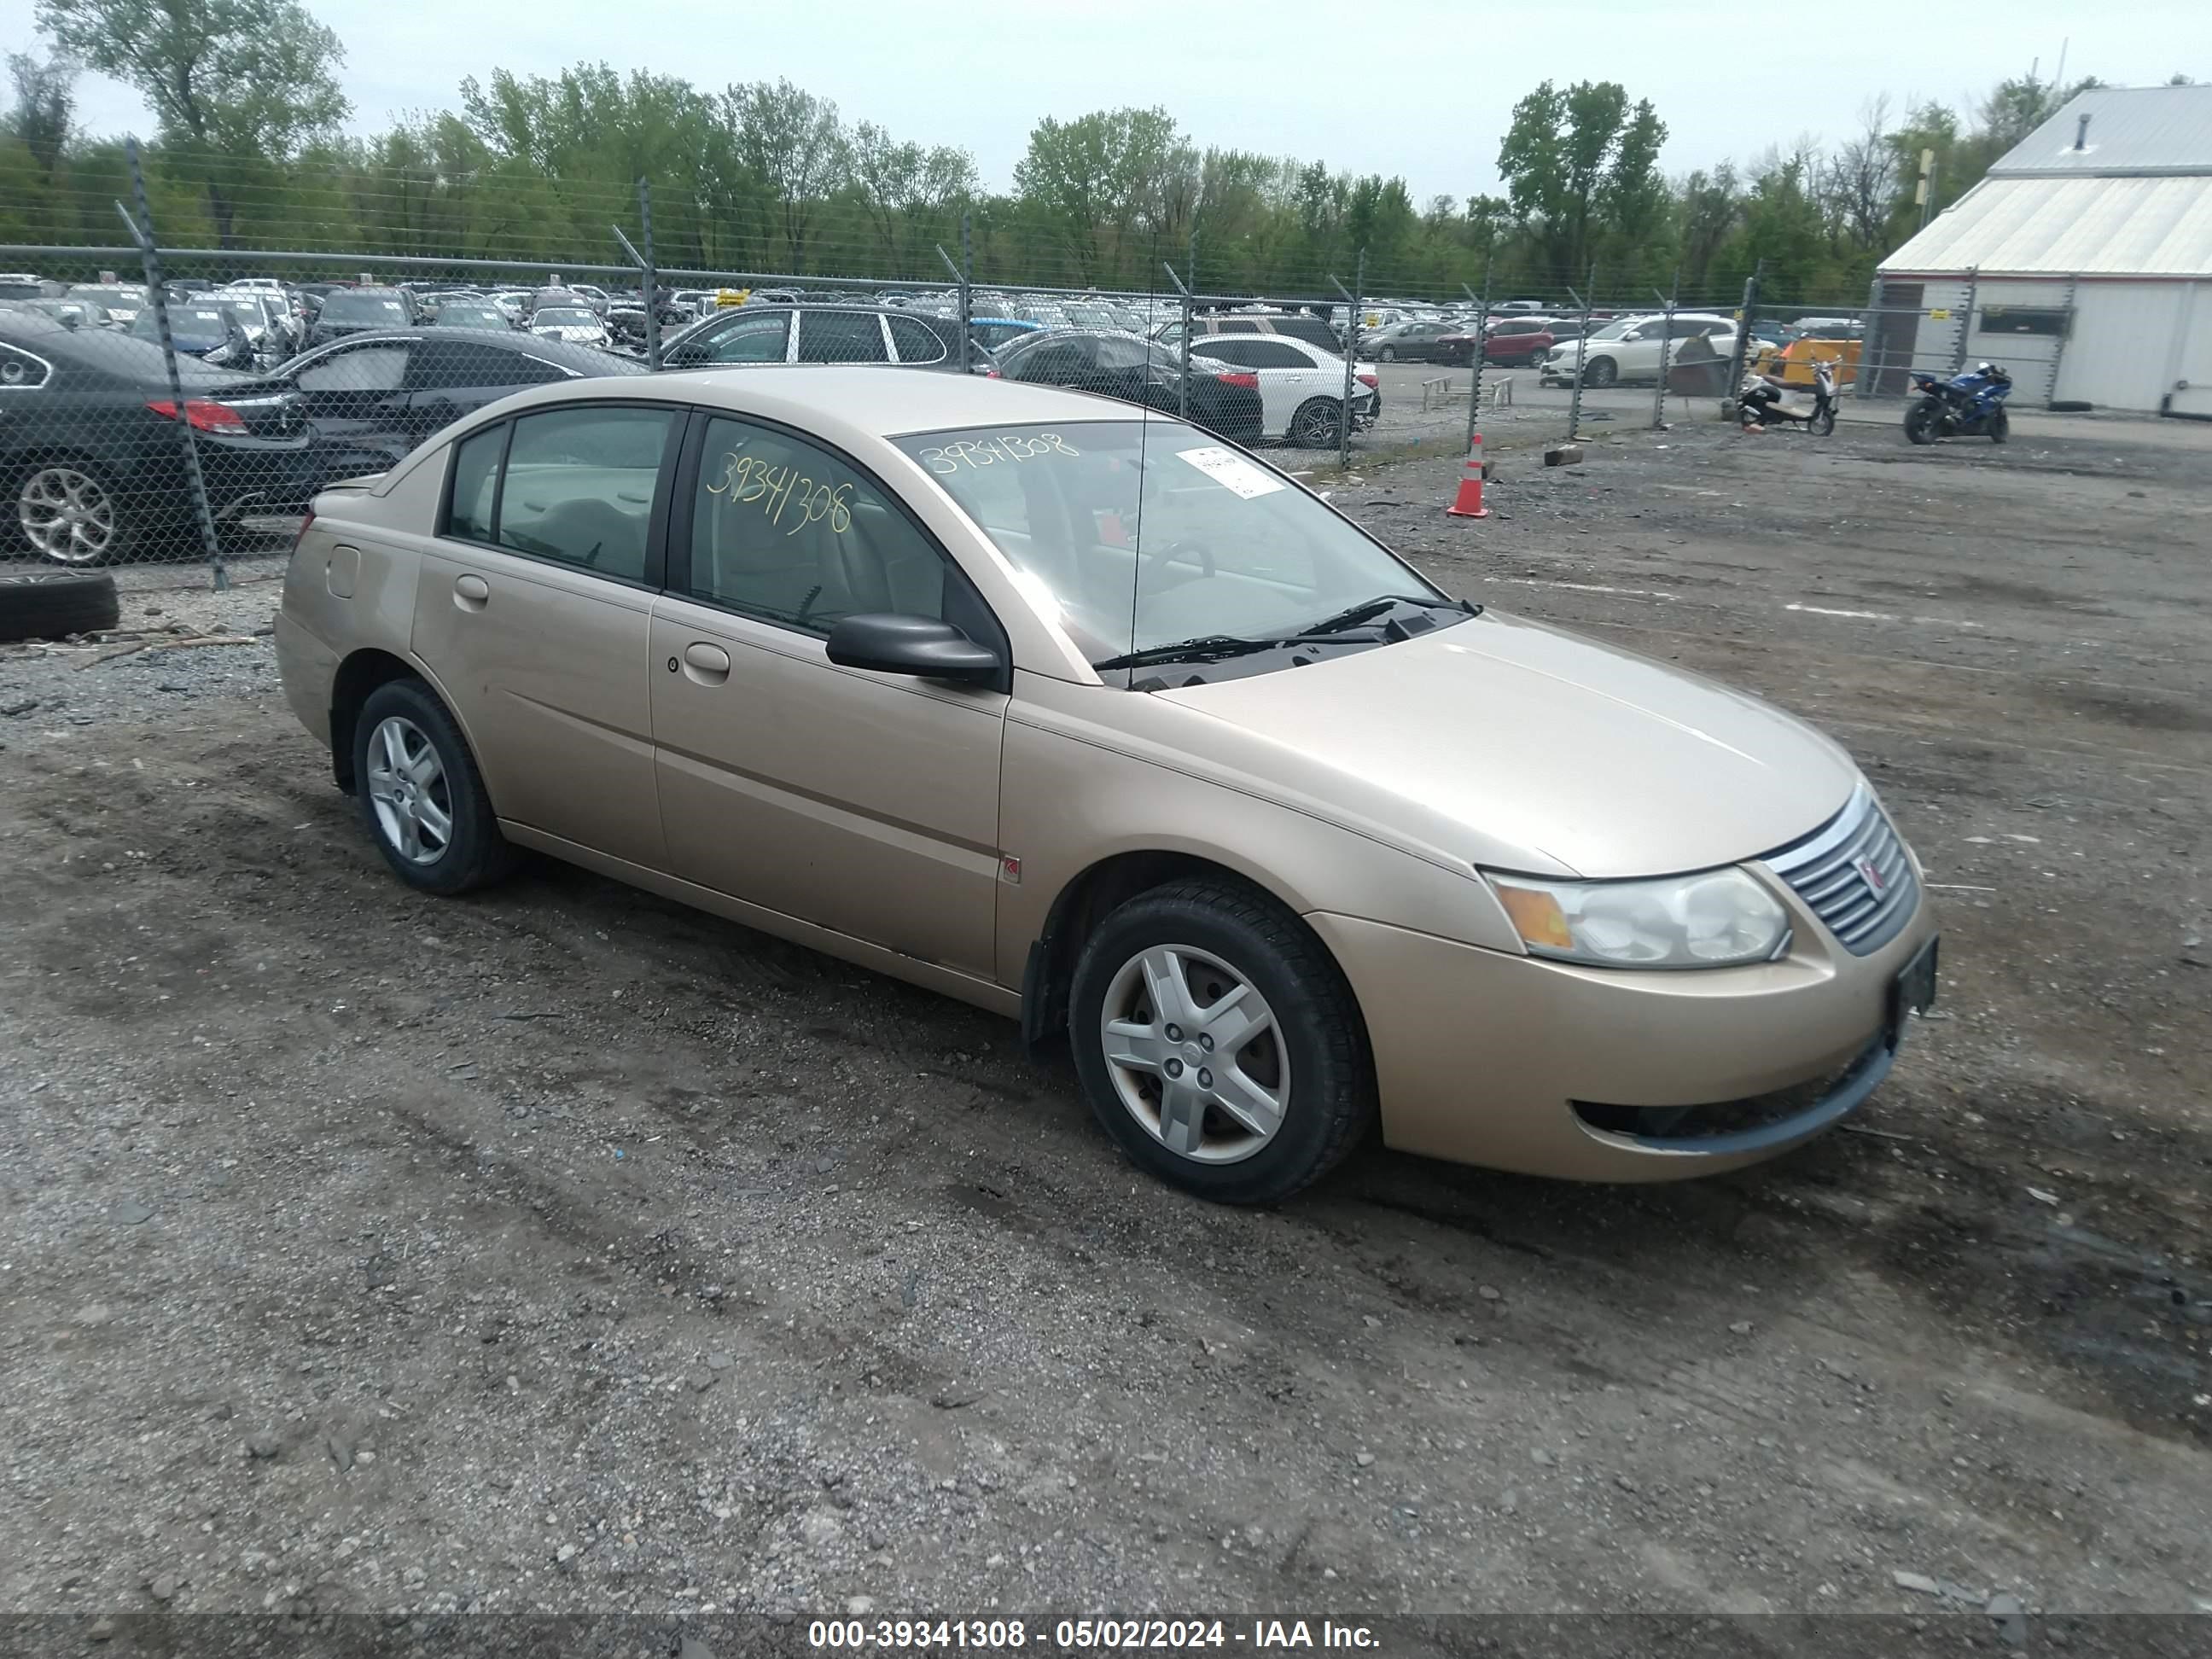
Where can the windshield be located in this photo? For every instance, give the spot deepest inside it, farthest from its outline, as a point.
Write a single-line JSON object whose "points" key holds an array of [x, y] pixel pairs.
{"points": [[1615, 329], [363, 309], [193, 320], [115, 299], [455, 313], [1140, 534], [563, 316]]}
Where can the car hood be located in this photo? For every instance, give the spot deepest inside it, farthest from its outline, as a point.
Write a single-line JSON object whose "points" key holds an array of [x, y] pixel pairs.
{"points": [[1515, 745]]}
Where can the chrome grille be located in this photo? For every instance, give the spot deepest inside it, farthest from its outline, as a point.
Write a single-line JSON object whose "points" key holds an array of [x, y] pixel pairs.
{"points": [[1828, 869]]}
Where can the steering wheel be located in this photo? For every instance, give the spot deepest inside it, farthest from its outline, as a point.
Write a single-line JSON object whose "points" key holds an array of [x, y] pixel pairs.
{"points": [[1203, 552]]}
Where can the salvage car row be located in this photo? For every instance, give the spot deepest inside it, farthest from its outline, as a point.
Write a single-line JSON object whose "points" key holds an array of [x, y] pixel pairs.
{"points": [[95, 474]]}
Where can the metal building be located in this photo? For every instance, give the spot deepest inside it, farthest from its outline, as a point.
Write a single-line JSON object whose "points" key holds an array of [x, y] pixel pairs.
{"points": [[2082, 262]]}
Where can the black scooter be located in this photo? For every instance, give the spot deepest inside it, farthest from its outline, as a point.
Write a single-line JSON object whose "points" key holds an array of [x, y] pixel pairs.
{"points": [[1765, 400]]}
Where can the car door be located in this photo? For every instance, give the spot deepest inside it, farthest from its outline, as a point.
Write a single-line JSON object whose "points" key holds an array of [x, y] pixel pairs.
{"points": [[1287, 379], [450, 376], [533, 610], [354, 396], [1121, 366], [863, 803]]}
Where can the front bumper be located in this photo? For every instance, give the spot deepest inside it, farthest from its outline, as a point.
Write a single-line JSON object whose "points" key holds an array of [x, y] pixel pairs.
{"points": [[1548, 1068]]}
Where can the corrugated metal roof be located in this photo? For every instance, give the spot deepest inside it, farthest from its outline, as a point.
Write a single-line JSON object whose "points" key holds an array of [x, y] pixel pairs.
{"points": [[2132, 130], [2069, 227]]}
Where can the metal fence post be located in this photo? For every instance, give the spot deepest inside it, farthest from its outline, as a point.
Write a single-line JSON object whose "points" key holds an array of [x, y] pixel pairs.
{"points": [[141, 231], [1481, 350], [1182, 386], [967, 287], [1582, 357], [652, 277], [1742, 332], [1668, 300], [1351, 356]]}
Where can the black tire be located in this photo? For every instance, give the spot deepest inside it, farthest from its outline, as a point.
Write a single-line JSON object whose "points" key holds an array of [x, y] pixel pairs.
{"points": [[1920, 424], [1602, 372], [1388, 354], [474, 854], [47, 605], [1823, 423], [2000, 426], [1330, 1072], [1315, 424]]}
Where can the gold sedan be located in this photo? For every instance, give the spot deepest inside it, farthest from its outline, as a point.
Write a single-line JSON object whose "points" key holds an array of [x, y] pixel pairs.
{"points": [[1082, 715]]}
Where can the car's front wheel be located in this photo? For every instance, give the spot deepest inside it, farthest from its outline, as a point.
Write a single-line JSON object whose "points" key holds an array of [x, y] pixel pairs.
{"points": [[1218, 1043], [1602, 372], [420, 795]]}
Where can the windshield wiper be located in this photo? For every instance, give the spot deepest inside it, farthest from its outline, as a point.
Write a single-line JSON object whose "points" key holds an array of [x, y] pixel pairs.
{"points": [[1205, 648], [1368, 609]]}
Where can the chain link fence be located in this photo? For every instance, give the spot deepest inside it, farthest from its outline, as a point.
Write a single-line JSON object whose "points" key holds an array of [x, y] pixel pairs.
{"points": [[164, 400]]}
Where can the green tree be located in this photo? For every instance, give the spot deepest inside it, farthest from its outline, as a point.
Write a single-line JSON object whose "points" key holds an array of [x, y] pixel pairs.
{"points": [[1097, 186], [239, 84], [1577, 162], [45, 107], [793, 143]]}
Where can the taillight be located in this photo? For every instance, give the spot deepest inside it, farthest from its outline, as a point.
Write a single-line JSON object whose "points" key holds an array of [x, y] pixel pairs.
{"points": [[203, 415], [1367, 380], [992, 374], [1249, 382]]}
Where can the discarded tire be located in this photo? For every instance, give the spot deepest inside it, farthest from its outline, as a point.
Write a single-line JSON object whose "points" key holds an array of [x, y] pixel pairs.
{"points": [[2070, 406], [45, 604]]}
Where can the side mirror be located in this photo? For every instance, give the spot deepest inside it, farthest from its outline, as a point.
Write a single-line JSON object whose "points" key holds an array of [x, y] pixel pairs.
{"points": [[921, 646]]}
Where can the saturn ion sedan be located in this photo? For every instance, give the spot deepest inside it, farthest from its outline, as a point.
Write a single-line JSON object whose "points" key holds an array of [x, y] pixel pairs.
{"points": [[1081, 715]]}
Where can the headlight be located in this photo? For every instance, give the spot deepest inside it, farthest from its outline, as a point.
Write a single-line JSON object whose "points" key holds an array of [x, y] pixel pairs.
{"points": [[1711, 919]]}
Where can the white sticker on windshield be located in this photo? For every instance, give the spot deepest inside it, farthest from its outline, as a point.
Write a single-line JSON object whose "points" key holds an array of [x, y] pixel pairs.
{"points": [[1232, 472]]}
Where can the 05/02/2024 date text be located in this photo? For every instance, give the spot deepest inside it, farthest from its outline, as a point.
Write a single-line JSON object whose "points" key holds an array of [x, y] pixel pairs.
{"points": [[1088, 1635]]}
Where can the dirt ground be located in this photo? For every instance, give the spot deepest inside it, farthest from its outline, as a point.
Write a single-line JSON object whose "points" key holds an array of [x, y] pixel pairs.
{"points": [[565, 1250]]}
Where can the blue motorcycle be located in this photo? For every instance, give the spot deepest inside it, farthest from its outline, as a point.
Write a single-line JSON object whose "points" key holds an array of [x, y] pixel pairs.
{"points": [[1966, 406]]}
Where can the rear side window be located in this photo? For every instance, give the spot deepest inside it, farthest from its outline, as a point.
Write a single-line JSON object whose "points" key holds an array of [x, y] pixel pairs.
{"points": [[579, 487], [916, 342], [1275, 354], [1224, 351], [1232, 327], [839, 337]]}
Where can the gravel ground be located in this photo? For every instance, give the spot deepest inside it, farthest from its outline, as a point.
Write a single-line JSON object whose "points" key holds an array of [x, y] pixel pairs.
{"points": [[565, 1250]]}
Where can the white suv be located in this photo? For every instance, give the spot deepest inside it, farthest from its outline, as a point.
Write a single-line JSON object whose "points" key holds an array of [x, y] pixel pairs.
{"points": [[1628, 347]]}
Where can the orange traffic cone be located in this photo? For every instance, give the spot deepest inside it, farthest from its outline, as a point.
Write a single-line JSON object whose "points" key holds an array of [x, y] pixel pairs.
{"points": [[1469, 502]]}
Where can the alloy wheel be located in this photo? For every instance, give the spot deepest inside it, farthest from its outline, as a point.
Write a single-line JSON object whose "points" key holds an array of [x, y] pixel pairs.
{"points": [[1194, 1053], [407, 786], [67, 515]]}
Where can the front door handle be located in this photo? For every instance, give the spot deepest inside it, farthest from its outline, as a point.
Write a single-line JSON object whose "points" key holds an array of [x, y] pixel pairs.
{"points": [[709, 665], [472, 592]]}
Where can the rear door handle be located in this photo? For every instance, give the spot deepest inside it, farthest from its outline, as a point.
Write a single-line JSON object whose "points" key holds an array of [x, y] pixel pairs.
{"points": [[472, 592], [709, 665]]}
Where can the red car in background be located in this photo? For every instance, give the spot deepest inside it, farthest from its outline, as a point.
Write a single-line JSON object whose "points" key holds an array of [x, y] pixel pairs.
{"points": [[1513, 342]]}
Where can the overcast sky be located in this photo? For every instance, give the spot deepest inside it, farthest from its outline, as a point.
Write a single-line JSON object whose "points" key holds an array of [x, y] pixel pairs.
{"points": [[1392, 88]]}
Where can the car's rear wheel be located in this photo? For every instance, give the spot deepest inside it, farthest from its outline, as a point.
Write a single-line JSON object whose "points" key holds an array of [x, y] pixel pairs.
{"points": [[420, 793], [1218, 1043], [68, 513], [1602, 371], [1315, 424]]}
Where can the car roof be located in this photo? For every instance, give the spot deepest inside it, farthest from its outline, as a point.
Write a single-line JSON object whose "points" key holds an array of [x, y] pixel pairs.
{"points": [[848, 404]]}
